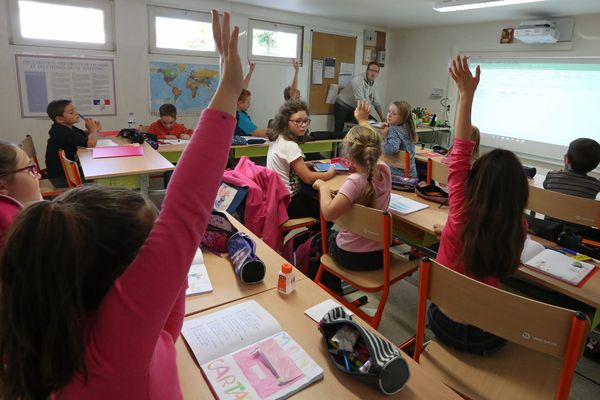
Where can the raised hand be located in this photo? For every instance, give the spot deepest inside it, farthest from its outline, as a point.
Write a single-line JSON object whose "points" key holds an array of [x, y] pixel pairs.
{"points": [[251, 66], [295, 64], [230, 85], [362, 112], [461, 74]]}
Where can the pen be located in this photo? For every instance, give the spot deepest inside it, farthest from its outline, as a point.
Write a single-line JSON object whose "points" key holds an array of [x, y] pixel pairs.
{"points": [[346, 361], [265, 361], [568, 251]]}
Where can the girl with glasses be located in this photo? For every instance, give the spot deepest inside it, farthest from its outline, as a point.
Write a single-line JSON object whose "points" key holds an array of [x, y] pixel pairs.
{"points": [[289, 129], [19, 184]]}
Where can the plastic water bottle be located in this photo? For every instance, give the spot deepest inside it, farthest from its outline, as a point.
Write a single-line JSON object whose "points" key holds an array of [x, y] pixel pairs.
{"points": [[131, 121]]}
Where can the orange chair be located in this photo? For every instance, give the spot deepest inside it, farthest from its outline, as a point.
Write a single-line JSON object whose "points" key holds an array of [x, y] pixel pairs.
{"points": [[376, 225], [438, 171], [544, 341], [47, 189], [71, 170]]}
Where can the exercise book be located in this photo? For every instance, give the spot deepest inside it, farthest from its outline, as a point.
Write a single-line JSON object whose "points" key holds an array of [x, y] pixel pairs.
{"points": [[403, 205]]}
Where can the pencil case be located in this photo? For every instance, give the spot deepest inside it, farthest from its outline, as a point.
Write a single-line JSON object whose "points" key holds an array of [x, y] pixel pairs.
{"points": [[363, 354], [248, 267]]}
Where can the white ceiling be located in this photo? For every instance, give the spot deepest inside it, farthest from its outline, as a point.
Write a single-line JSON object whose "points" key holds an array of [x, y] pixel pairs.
{"points": [[419, 13]]}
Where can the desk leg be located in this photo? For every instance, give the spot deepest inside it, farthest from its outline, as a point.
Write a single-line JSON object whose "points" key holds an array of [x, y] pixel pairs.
{"points": [[144, 184]]}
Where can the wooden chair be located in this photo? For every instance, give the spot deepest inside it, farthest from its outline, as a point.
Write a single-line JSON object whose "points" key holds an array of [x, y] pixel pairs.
{"points": [[437, 171], [400, 160], [375, 225], [544, 341], [573, 209], [71, 170], [47, 189]]}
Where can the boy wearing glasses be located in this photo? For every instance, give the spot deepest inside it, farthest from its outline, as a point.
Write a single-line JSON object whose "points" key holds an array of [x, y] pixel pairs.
{"points": [[66, 136], [362, 87], [167, 127]]}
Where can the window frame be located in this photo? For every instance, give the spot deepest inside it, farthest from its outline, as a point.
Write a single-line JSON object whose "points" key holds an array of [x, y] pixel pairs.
{"points": [[107, 7], [279, 27], [172, 12]]}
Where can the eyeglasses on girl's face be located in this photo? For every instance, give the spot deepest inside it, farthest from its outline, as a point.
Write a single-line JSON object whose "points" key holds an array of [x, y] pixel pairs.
{"points": [[300, 122], [31, 168]]}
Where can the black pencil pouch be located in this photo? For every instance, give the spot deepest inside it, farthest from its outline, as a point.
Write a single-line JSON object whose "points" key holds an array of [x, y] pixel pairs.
{"points": [[363, 354]]}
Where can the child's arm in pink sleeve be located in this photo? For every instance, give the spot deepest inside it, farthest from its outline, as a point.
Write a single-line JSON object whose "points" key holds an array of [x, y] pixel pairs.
{"points": [[137, 307], [458, 172]]}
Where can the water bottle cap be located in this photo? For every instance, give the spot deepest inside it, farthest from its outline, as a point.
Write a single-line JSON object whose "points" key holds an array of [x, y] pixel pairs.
{"points": [[286, 268]]}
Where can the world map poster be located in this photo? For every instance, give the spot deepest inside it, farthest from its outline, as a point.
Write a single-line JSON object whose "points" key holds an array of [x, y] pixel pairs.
{"points": [[188, 86]]}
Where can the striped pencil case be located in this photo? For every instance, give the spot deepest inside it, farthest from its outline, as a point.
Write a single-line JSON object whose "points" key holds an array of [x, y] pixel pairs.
{"points": [[359, 352]]}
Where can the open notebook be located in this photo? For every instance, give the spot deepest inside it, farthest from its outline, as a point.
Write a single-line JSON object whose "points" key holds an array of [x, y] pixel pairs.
{"points": [[244, 353], [555, 264], [198, 280], [403, 205]]}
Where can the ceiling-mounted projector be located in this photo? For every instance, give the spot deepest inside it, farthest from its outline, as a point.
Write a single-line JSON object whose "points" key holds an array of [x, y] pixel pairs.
{"points": [[537, 31]]}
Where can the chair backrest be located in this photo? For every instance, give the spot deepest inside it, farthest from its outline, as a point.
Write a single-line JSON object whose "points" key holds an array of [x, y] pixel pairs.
{"points": [[29, 148], [399, 160], [71, 170], [529, 323], [437, 171], [577, 210], [367, 222]]}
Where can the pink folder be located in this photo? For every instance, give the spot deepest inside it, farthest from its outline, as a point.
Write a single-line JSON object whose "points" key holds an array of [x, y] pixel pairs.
{"points": [[117, 151]]}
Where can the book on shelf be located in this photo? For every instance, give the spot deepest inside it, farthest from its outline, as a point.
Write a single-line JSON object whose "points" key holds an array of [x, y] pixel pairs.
{"points": [[247, 346]]}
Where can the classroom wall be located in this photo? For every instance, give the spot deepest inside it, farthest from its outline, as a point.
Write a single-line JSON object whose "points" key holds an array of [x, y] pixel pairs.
{"points": [[419, 58], [131, 66]]}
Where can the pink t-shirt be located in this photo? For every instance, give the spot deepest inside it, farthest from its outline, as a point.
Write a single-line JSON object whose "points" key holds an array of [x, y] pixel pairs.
{"points": [[352, 188]]}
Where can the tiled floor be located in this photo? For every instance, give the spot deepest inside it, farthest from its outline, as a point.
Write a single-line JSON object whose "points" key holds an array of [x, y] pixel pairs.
{"points": [[398, 324]]}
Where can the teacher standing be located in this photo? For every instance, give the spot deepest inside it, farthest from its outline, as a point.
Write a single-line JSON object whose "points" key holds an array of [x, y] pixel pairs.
{"points": [[362, 87]]}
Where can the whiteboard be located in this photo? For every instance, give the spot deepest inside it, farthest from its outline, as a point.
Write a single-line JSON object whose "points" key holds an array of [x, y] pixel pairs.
{"points": [[88, 82]]}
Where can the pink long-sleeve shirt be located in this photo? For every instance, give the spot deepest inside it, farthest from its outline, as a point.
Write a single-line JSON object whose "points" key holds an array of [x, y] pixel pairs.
{"points": [[451, 242], [130, 341]]}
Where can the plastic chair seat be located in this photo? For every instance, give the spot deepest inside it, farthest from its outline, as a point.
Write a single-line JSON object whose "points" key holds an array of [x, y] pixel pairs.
{"points": [[47, 189]]}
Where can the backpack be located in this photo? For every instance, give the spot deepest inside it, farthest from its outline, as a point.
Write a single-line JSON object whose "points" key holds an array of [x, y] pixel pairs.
{"points": [[308, 258]]}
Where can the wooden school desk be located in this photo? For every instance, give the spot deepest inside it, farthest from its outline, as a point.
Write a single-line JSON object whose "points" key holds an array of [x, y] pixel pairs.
{"points": [[226, 285], [289, 312], [116, 167]]}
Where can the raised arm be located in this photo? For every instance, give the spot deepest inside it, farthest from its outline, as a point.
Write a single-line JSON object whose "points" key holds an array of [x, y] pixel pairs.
{"points": [[294, 85], [467, 84], [138, 306], [248, 76]]}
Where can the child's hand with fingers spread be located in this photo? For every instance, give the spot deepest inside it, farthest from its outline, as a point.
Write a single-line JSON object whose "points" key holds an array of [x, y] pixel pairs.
{"points": [[461, 74], [230, 85], [362, 112]]}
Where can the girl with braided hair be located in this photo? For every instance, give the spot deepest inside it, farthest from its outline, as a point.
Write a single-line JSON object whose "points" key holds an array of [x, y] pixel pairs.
{"points": [[370, 186]]}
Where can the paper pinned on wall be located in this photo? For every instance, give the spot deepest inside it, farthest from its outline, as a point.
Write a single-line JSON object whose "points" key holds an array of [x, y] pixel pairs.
{"points": [[332, 93], [317, 72], [329, 72], [346, 68], [344, 79]]}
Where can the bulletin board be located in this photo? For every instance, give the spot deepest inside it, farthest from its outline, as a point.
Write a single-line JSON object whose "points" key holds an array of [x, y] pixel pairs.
{"points": [[327, 45]]}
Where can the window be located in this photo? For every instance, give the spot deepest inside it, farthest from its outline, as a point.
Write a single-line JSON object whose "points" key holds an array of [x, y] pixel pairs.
{"points": [[274, 42], [72, 23], [174, 31]]}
